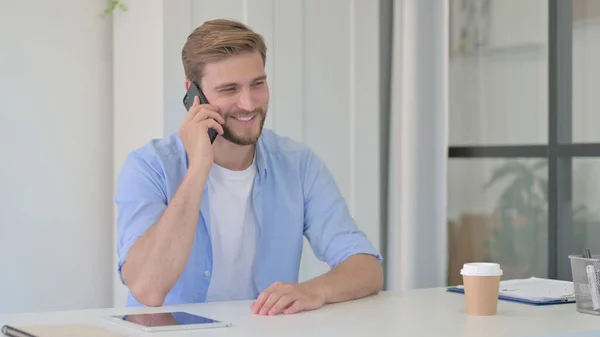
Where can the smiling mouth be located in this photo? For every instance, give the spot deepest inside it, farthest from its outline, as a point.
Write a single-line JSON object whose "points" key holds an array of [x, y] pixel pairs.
{"points": [[244, 118]]}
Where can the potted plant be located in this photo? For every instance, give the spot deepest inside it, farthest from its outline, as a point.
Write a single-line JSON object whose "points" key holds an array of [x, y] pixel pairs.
{"points": [[522, 209]]}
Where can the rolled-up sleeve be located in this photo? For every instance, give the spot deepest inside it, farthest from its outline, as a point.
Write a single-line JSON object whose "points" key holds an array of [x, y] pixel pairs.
{"points": [[140, 199], [328, 225]]}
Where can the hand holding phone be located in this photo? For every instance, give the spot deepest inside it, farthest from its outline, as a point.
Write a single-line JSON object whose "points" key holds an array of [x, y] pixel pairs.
{"points": [[195, 130], [188, 100]]}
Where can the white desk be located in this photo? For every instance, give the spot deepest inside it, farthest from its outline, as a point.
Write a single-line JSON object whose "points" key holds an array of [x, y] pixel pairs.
{"points": [[428, 312]]}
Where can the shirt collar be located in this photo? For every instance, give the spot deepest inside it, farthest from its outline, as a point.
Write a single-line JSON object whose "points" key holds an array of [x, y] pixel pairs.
{"points": [[261, 162]]}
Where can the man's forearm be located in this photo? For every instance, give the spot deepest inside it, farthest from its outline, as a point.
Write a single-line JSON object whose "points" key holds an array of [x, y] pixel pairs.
{"points": [[158, 257], [359, 276]]}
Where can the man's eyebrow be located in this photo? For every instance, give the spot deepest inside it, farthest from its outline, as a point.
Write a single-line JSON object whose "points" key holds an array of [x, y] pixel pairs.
{"points": [[224, 85], [233, 84]]}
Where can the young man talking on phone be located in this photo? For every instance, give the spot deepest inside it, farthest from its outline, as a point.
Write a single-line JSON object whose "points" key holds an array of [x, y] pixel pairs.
{"points": [[200, 222]]}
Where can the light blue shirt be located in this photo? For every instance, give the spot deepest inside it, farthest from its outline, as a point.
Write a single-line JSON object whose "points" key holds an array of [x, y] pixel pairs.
{"points": [[294, 195]]}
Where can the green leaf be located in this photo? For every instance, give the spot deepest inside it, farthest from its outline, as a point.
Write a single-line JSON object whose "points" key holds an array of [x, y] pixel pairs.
{"points": [[539, 165], [112, 5], [542, 185], [526, 181], [512, 197], [511, 167]]}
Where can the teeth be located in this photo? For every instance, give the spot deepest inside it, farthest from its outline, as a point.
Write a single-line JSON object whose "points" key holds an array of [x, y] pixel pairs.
{"points": [[244, 119]]}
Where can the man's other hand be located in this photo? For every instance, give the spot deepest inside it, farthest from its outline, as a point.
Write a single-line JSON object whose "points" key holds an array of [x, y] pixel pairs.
{"points": [[288, 298]]}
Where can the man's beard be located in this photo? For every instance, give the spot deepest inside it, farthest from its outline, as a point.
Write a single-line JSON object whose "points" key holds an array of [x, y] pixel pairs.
{"points": [[231, 136]]}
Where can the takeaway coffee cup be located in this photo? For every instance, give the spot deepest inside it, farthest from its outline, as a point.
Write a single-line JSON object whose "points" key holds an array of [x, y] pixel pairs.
{"points": [[482, 285]]}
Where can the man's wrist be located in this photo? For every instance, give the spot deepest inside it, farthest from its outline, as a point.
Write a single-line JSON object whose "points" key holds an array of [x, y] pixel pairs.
{"points": [[198, 173], [200, 165], [321, 289]]}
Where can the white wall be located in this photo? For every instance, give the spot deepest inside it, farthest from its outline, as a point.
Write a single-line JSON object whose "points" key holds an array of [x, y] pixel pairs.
{"points": [[323, 72], [138, 92], [56, 145]]}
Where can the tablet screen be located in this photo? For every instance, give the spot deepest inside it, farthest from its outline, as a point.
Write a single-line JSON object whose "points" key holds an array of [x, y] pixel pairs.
{"points": [[166, 319]]}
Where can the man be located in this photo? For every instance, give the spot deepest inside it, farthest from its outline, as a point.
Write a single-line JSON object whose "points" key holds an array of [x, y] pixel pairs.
{"points": [[204, 222]]}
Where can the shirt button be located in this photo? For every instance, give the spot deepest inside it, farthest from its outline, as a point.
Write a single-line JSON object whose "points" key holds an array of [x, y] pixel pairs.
{"points": [[206, 273]]}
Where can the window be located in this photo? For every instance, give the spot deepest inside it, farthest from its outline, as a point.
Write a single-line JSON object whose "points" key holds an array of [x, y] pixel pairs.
{"points": [[524, 156]]}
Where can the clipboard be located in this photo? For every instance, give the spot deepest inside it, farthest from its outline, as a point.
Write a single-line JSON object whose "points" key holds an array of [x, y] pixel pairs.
{"points": [[532, 291], [519, 300]]}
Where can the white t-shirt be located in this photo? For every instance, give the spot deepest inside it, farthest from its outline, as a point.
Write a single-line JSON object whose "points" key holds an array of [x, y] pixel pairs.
{"points": [[233, 234]]}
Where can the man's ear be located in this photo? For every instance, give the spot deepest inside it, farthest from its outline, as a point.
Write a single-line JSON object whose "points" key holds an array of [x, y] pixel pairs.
{"points": [[187, 84]]}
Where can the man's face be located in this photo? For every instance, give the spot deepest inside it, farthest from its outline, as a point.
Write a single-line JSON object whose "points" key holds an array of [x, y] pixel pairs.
{"points": [[238, 86]]}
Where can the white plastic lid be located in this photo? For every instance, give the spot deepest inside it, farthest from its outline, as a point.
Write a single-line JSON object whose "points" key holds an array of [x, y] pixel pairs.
{"points": [[481, 269]]}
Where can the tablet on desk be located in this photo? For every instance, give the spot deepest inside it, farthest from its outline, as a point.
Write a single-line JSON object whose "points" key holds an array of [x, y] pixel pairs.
{"points": [[167, 321]]}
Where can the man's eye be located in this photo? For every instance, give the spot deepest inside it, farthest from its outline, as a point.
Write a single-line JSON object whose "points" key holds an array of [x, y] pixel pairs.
{"points": [[257, 84], [228, 89]]}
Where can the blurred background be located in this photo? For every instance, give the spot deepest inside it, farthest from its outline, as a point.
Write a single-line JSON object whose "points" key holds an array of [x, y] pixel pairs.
{"points": [[457, 130]]}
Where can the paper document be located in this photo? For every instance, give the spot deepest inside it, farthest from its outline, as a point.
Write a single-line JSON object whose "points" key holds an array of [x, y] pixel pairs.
{"points": [[537, 289]]}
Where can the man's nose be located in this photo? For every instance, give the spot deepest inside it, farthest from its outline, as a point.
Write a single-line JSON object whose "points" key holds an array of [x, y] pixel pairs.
{"points": [[245, 102]]}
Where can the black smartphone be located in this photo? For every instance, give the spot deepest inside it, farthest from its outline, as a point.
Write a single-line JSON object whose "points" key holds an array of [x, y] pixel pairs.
{"points": [[188, 101]]}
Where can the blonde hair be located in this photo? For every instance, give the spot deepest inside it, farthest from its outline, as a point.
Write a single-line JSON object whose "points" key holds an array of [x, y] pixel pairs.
{"points": [[216, 40]]}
